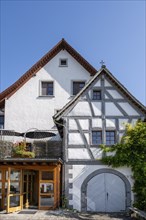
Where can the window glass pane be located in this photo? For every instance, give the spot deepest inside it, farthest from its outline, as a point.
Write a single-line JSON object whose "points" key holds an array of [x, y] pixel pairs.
{"points": [[14, 188], [6, 188], [0, 187], [77, 86], [6, 175], [47, 200], [110, 137], [1, 121], [47, 88], [24, 186], [96, 95], [14, 201], [96, 137], [63, 62], [15, 175], [46, 188], [46, 175]]}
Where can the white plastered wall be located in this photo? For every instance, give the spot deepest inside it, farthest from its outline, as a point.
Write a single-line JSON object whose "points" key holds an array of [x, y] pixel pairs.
{"points": [[79, 174], [25, 109]]}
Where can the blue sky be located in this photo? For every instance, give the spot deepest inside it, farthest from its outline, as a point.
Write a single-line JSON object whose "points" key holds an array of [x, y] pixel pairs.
{"points": [[113, 31]]}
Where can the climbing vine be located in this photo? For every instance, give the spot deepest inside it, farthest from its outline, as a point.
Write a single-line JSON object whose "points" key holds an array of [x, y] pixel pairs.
{"points": [[131, 151]]}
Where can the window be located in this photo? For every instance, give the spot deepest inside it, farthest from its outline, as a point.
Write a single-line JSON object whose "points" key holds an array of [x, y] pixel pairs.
{"points": [[1, 121], [77, 86], [96, 95], [96, 137], [63, 62], [110, 137], [47, 88]]}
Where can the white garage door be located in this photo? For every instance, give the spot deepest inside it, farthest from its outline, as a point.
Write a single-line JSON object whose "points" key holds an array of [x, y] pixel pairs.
{"points": [[106, 193]]}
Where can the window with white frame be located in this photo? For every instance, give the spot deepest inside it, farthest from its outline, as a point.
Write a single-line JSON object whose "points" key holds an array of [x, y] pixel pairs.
{"points": [[47, 88], [77, 86]]}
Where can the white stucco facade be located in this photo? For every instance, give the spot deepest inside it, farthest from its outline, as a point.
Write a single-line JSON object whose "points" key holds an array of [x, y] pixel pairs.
{"points": [[27, 109]]}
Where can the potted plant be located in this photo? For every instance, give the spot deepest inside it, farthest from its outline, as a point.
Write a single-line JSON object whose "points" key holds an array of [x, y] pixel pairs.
{"points": [[20, 151]]}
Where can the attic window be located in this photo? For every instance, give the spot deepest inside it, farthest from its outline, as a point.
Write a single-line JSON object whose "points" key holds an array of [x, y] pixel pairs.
{"points": [[96, 95], [63, 62]]}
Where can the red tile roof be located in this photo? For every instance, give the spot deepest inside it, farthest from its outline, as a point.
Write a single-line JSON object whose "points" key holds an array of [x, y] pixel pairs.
{"points": [[62, 45]]}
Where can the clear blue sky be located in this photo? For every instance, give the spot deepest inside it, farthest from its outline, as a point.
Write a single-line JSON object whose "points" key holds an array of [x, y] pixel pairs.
{"points": [[114, 31]]}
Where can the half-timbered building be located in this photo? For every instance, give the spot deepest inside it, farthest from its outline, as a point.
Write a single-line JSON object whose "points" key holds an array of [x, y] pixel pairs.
{"points": [[91, 108], [97, 115]]}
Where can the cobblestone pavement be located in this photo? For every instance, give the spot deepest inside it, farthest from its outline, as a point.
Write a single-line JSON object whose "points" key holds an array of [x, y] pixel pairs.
{"points": [[60, 215]]}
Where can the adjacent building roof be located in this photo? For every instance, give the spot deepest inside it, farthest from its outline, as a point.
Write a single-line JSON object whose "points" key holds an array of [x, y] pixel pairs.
{"points": [[62, 45], [103, 70]]}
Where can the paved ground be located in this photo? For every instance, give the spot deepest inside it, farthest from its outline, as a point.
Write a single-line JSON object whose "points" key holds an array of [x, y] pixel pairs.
{"points": [[60, 215]]}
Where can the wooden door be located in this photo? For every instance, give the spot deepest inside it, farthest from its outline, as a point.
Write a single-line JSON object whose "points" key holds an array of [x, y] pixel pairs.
{"points": [[27, 188], [46, 189], [3, 188], [14, 194]]}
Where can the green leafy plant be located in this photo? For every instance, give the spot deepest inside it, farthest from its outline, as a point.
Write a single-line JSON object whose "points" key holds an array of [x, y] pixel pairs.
{"points": [[20, 151], [131, 152]]}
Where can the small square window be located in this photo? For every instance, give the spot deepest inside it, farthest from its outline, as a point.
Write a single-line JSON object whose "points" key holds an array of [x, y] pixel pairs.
{"points": [[110, 137], [77, 86], [96, 137], [47, 89], [63, 62], [96, 95]]}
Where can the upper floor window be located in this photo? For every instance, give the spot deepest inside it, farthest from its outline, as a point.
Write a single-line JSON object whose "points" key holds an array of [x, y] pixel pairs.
{"points": [[110, 137], [63, 62], [96, 137], [96, 95], [1, 121], [47, 89], [77, 86]]}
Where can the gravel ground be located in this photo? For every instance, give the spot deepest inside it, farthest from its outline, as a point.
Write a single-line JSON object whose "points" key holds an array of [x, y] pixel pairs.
{"points": [[61, 215]]}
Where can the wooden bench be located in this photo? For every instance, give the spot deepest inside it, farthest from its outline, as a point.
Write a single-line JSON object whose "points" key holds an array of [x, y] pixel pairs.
{"points": [[136, 213]]}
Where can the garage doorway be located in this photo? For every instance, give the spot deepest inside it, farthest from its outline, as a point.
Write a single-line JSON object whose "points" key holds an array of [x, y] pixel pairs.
{"points": [[105, 190]]}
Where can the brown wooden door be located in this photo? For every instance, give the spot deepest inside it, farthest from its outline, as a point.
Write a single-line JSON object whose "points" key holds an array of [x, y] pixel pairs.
{"points": [[3, 188]]}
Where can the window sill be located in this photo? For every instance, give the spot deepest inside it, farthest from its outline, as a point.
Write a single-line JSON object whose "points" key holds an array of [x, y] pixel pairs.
{"points": [[46, 96], [63, 65]]}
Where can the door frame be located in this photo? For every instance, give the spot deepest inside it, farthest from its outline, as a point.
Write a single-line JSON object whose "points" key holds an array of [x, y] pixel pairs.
{"points": [[100, 171], [9, 194]]}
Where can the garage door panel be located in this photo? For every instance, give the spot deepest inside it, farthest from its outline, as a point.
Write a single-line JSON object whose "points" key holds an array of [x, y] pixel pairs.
{"points": [[115, 189], [96, 197], [106, 193]]}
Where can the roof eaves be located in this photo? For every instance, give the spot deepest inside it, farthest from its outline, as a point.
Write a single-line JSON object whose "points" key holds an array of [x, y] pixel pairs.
{"points": [[61, 113], [121, 86]]}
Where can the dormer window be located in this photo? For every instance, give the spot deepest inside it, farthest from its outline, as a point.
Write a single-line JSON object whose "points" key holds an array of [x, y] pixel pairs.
{"points": [[63, 62]]}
